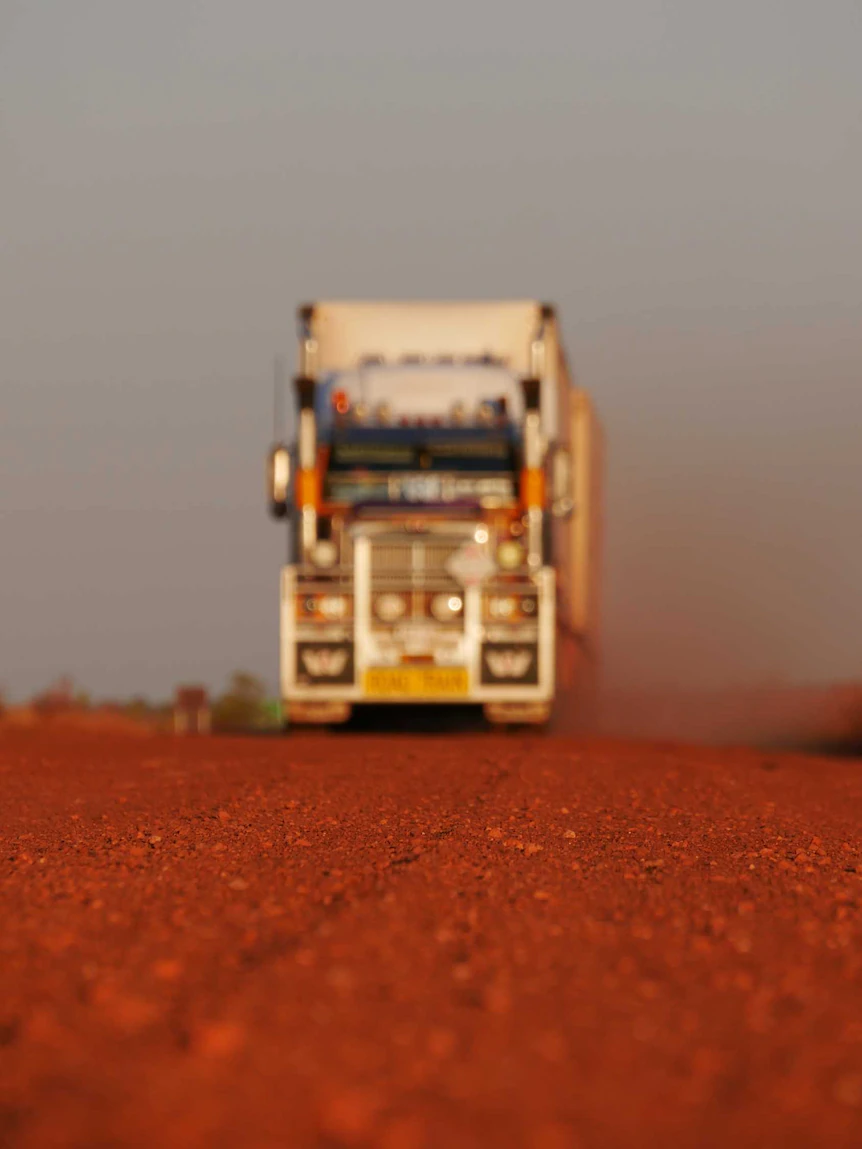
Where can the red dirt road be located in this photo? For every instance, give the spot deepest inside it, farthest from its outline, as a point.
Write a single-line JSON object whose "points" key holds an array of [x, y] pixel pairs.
{"points": [[438, 942]]}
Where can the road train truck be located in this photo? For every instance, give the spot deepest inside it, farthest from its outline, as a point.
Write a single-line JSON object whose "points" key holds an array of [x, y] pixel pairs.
{"points": [[441, 483]]}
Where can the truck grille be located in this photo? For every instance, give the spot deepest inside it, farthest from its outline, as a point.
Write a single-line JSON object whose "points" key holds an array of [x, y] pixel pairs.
{"points": [[412, 563]]}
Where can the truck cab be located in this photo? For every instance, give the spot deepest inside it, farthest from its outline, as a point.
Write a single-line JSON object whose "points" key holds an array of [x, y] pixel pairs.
{"points": [[422, 485]]}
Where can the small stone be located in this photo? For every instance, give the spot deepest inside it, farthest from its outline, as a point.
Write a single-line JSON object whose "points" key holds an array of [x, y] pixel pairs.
{"points": [[349, 1117], [125, 1012], [553, 1136], [441, 1043], [340, 978], [237, 884], [219, 1039], [848, 1090], [551, 1046], [497, 999], [168, 969], [405, 1132]]}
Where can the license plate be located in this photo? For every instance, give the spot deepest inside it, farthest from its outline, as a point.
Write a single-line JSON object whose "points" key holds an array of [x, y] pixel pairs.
{"points": [[416, 682]]}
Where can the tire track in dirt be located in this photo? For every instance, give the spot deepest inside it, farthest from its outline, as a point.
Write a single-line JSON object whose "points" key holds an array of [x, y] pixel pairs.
{"points": [[525, 941]]}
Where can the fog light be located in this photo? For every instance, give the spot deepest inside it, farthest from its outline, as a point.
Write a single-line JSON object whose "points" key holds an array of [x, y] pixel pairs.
{"points": [[332, 606], [445, 607], [389, 607], [510, 555], [502, 607]]}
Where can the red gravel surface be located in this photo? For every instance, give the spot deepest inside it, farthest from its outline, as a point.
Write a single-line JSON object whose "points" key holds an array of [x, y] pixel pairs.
{"points": [[437, 942]]}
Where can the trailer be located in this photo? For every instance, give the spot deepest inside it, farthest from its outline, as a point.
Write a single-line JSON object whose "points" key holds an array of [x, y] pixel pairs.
{"points": [[442, 487]]}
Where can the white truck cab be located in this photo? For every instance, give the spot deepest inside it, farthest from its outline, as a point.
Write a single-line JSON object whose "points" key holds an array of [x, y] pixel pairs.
{"points": [[442, 495]]}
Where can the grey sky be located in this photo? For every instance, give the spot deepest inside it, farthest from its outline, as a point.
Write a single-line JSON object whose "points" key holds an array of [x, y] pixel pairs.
{"points": [[683, 179]]}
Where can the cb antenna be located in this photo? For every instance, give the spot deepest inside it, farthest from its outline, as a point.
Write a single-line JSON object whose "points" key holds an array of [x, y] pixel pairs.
{"points": [[278, 427]]}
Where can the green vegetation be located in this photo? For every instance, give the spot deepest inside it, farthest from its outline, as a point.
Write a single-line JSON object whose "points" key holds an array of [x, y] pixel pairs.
{"points": [[243, 706]]}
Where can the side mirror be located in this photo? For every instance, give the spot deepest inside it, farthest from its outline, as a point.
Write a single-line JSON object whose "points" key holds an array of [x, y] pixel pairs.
{"points": [[562, 503], [278, 475]]}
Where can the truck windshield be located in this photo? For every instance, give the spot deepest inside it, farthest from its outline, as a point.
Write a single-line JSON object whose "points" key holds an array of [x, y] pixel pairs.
{"points": [[425, 467], [477, 454]]}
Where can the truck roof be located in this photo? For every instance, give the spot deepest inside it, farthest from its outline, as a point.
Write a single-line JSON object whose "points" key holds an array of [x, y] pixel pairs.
{"points": [[349, 332]]}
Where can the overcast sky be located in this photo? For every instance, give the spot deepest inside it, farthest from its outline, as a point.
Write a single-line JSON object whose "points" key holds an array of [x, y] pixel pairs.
{"points": [[682, 179]]}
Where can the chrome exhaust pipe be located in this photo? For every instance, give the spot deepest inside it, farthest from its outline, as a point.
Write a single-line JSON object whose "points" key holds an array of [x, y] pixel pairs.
{"points": [[308, 480]]}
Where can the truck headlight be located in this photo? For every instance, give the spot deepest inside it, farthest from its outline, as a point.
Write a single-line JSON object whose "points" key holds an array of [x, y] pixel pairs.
{"points": [[510, 555], [445, 607], [332, 606], [324, 553], [390, 607], [511, 607], [502, 607]]}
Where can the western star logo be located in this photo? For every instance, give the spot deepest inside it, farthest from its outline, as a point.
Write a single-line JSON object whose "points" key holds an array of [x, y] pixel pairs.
{"points": [[325, 663], [509, 663]]}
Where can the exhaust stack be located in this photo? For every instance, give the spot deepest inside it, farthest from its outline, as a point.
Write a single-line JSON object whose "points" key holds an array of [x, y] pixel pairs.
{"points": [[308, 479], [533, 475]]}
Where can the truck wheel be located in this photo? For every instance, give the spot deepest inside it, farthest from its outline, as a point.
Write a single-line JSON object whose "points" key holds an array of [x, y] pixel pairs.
{"points": [[517, 713], [316, 713]]}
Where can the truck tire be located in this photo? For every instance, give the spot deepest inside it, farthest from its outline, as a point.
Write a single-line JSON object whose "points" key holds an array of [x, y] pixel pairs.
{"points": [[315, 713], [528, 714]]}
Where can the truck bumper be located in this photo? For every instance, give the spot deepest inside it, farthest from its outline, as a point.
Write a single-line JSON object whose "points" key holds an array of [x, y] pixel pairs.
{"points": [[358, 661]]}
